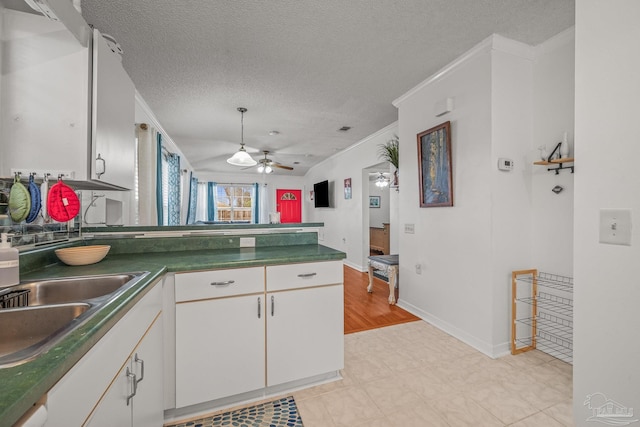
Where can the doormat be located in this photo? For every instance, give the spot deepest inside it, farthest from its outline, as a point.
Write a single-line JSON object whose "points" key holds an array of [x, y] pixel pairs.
{"points": [[279, 413]]}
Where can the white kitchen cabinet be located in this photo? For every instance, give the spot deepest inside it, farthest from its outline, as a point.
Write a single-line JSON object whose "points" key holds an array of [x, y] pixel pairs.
{"points": [[63, 105], [135, 398], [113, 118], [305, 333], [219, 334], [244, 330], [305, 322], [95, 379]]}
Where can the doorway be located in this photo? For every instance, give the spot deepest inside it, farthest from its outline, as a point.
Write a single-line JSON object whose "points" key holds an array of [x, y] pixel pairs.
{"points": [[378, 203], [289, 205]]}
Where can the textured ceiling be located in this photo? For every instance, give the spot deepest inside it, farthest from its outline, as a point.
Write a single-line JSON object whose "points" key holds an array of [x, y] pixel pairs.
{"points": [[302, 67]]}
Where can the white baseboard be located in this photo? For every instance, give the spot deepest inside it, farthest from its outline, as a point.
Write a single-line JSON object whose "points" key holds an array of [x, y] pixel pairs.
{"points": [[492, 351], [357, 267]]}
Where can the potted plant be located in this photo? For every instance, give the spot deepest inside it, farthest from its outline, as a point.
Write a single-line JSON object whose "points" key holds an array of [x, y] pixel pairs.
{"points": [[389, 152]]}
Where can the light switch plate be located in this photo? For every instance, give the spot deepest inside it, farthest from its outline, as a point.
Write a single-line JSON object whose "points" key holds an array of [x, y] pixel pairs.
{"points": [[409, 228], [247, 242], [615, 226]]}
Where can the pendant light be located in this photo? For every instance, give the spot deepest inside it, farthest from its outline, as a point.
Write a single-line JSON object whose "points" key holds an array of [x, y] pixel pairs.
{"points": [[241, 157]]}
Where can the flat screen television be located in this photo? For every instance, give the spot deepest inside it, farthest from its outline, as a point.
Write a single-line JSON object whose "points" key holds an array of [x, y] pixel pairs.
{"points": [[321, 194]]}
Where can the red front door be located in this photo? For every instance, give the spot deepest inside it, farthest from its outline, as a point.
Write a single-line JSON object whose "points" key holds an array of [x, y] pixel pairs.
{"points": [[289, 204]]}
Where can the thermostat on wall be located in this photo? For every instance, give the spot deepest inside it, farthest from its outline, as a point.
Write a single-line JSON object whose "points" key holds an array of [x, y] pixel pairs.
{"points": [[505, 164]]}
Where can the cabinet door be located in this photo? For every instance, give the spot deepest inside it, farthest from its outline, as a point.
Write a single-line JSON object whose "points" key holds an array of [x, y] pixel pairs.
{"points": [[45, 95], [305, 333], [113, 409], [113, 130], [219, 348], [148, 403]]}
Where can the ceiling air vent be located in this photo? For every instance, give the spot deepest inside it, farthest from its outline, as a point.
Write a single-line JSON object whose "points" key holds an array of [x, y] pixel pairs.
{"points": [[344, 128]]}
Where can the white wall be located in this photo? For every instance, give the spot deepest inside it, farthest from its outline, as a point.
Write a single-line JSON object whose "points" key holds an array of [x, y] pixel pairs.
{"points": [[347, 223], [451, 244], [606, 294], [553, 114]]}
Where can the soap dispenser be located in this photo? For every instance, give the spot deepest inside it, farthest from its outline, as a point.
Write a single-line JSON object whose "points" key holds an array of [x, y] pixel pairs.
{"points": [[9, 263]]}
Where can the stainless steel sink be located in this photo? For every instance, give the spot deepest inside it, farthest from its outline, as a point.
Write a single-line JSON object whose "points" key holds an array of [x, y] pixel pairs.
{"points": [[59, 291], [56, 308], [24, 329]]}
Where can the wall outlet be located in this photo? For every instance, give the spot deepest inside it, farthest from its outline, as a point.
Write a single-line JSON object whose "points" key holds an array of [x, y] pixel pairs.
{"points": [[418, 268], [247, 242]]}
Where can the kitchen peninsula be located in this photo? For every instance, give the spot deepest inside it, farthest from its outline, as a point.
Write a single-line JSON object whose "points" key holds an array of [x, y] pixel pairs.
{"points": [[285, 266]]}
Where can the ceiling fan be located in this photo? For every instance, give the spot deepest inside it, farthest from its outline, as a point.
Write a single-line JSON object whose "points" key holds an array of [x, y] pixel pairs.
{"points": [[266, 165]]}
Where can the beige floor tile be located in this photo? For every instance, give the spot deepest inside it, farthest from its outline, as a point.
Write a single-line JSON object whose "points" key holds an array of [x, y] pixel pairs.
{"points": [[391, 395], [313, 412], [538, 419], [350, 406], [421, 416], [562, 412], [502, 403], [460, 410]]}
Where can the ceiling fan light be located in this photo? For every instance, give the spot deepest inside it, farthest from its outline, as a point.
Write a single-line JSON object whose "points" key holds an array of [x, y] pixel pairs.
{"points": [[261, 168], [268, 169]]}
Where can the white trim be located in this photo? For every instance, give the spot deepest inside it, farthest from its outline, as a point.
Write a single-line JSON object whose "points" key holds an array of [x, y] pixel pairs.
{"points": [[487, 349], [362, 141], [493, 42], [356, 267], [559, 40], [483, 47]]}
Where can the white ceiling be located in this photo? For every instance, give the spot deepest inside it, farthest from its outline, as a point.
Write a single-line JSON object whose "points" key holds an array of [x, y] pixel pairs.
{"points": [[302, 67]]}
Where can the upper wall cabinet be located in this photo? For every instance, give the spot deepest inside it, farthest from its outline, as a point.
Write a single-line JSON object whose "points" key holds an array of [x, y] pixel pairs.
{"points": [[113, 117], [65, 108]]}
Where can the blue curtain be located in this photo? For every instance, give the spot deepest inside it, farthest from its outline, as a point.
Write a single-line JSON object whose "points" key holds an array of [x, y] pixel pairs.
{"points": [[173, 195], [193, 199], [212, 212], [159, 209], [256, 204]]}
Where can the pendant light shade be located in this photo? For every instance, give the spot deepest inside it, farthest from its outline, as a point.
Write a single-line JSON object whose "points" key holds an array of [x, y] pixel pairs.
{"points": [[381, 181], [241, 157]]}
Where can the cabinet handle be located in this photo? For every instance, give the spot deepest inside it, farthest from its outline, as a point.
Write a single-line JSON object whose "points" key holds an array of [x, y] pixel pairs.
{"points": [[227, 283], [104, 166], [259, 305], [135, 385], [304, 276], [141, 362], [273, 305]]}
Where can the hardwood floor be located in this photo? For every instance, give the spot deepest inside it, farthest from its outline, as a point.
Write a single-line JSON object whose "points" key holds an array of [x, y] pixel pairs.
{"points": [[363, 310]]}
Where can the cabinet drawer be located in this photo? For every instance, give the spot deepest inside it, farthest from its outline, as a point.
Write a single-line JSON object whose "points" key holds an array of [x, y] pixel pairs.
{"points": [[219, 283], [292, 276]]}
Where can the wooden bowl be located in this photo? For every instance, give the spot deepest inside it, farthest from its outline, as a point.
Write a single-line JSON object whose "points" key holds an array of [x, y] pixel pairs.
{"points": [[82, 255]]}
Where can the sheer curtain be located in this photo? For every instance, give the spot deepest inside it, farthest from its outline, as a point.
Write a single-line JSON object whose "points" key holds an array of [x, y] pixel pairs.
{"points": [[145, 191], [202, 204], [263, 203]]}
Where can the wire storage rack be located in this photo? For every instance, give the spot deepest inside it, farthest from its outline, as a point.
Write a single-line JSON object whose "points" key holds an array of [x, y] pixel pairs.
{"points": [[542, 313]]}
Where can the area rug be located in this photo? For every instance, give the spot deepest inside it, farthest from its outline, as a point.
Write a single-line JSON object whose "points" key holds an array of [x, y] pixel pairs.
{"points": [[279, 413]]}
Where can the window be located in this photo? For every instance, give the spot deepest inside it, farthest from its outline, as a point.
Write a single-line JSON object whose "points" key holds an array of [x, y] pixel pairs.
{"points": [[234, 202]]}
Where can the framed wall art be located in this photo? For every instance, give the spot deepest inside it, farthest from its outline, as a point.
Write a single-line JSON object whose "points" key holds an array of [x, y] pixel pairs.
{"points": [[374, 201], [347, 188], [434, 168]]}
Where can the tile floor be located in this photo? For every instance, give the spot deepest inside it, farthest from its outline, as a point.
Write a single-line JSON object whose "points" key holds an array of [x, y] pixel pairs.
{"points": [[416, 375]]}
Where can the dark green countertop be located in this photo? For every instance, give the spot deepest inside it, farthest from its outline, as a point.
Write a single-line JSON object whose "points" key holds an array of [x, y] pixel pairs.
{"points": [[23, 385]]}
